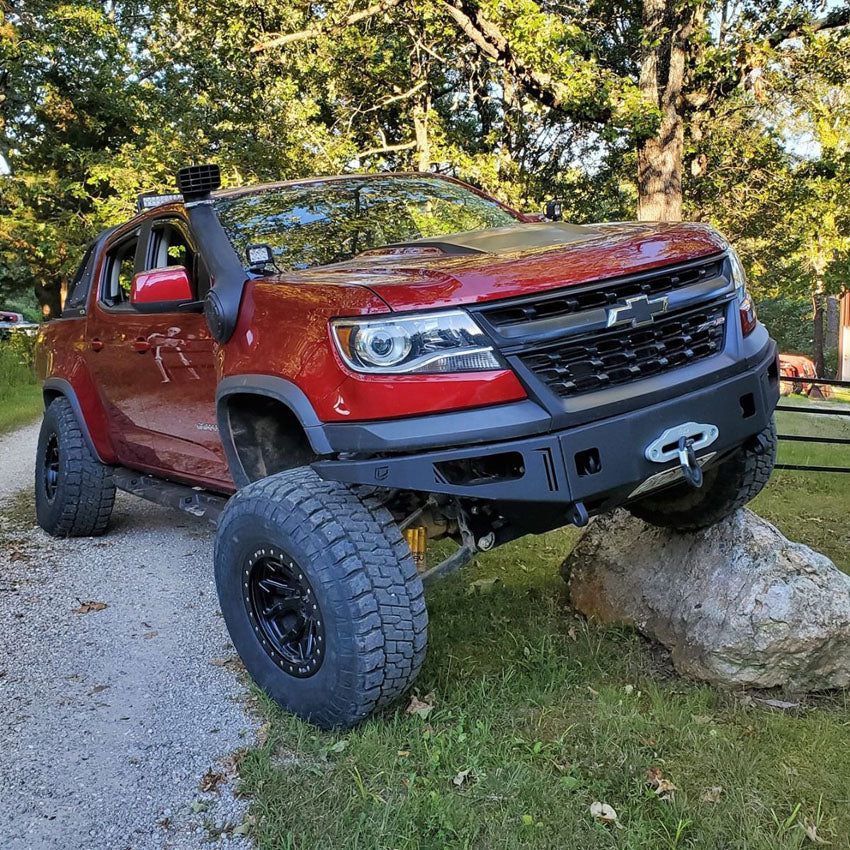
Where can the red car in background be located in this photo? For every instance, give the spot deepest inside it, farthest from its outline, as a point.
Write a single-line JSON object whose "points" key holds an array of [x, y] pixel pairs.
{"points": [[15, 323], [795, 370]]}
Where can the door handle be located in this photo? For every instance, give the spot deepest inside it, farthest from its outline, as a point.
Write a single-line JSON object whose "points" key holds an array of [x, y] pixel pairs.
{"points": [[96, 345], [141, 345]]}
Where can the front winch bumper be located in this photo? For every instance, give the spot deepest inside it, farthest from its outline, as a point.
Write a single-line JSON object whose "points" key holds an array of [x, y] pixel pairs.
{"points": [[593, 463]]}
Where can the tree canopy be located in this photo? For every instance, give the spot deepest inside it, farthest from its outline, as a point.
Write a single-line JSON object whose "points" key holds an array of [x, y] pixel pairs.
{"points": [[736, 113]]}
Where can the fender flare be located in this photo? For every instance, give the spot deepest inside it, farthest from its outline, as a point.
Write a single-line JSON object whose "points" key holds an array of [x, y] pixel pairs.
{"points": [[54, 387], [278, 389]]}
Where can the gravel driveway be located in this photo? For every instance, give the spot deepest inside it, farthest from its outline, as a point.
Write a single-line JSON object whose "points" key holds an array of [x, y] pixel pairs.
{"points": [[111, 720]]}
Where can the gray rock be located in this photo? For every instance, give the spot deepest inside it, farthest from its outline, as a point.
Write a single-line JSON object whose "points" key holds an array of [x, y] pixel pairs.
{"points": [[737, 604]]}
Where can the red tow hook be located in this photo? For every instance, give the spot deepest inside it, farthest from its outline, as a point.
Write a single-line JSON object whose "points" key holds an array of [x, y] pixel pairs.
{"points": [[691, 470]]}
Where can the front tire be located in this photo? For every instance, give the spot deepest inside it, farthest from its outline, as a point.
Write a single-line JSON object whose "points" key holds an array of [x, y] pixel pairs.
{"points": [[321, 597], [727, 486], [74, 491]]}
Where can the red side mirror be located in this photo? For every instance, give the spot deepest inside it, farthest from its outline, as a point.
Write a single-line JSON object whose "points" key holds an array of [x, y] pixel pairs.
{"points": [[159, 287]]}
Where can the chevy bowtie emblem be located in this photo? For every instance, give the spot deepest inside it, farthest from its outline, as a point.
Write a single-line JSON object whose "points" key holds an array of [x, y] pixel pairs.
{"points": [[639, 310]]}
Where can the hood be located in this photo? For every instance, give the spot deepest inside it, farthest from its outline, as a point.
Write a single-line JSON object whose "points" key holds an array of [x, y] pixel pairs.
{"points": [[507, 262]]}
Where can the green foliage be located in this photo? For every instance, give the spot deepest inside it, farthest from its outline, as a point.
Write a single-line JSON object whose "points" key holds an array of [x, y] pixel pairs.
{"points": [[20, 393], [559, 113]]}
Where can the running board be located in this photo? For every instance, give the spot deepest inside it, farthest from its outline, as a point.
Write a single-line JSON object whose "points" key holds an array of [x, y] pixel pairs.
{"points": [[198, 503]]}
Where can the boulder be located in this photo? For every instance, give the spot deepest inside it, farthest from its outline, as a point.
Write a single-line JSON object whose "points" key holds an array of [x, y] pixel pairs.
{"points": [[737, 604]]}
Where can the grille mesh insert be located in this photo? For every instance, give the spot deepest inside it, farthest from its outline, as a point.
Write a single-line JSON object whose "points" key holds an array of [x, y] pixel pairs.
{"points": [[598, 360]]}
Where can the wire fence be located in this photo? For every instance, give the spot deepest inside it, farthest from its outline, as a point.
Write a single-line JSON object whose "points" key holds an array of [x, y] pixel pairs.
{"points": [[812, 388]]}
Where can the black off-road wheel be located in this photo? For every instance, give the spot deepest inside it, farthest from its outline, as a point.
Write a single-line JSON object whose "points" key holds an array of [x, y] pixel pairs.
{"points": [[321, 597], [727, 486], [74, 491]]}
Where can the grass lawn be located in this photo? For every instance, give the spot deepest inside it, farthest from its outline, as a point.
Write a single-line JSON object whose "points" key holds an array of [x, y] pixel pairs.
{"points": [[537, 714], [20, 393]]}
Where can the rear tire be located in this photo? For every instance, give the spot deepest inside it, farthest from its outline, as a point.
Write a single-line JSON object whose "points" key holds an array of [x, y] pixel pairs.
{"points": [[74, 491], [726, 487], [320, 596]]}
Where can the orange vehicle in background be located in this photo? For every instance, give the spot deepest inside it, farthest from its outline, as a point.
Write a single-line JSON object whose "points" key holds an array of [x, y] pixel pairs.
{"points": [[794, 369]]}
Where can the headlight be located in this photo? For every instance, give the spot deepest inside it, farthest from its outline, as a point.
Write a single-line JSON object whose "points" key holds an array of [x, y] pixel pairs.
{"points": [[746, 305], [429, 343]]}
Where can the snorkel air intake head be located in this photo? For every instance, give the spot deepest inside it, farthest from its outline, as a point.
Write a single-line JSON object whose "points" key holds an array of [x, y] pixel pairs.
{"points": [[197, 182], [221, 306]]}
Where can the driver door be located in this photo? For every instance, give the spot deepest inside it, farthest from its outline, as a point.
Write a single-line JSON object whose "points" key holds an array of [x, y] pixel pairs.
{"points": [[179, 367]]}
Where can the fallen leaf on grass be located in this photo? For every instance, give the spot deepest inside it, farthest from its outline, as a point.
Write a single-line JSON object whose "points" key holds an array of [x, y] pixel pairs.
{"points": [[230, 764], [712, 795], [571, 633], [210, 781], [90, 605], [664, 788], [779, 704], [263, 734], [812, 833], [403, 754], [482, 585], [421, 707], [603, 812], [461, 777], [244, 828], [702, 719]]}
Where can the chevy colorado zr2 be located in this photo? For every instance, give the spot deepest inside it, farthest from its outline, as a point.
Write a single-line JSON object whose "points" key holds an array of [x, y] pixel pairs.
{"points": [[337, 369]]}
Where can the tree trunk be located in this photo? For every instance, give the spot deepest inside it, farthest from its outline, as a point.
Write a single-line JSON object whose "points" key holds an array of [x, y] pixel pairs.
{"points": [[817, 332], [660, 172], [510, 117], [50, 299], [667, 26], [420, 128], [421, 108]]}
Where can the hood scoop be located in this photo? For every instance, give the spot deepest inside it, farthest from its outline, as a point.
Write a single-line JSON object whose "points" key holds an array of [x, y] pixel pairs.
{"points": [[496, 240]]}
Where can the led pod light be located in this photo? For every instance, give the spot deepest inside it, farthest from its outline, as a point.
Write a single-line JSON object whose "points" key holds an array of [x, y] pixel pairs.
{"points": [[429, 343]]}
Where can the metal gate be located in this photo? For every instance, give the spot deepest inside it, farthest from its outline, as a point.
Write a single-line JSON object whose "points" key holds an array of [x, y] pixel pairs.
{"points": [[839, 408]]}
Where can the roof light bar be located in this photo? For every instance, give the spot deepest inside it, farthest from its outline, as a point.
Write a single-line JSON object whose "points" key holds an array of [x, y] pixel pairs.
{"points": [[151, 200]]}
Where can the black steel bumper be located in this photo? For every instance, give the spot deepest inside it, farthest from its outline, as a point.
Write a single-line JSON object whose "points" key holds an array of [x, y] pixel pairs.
{"points": [[598, 463]]}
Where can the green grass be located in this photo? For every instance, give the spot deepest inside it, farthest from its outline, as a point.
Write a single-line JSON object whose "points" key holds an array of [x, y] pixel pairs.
{"points": [[20, 393], [549, 714]]}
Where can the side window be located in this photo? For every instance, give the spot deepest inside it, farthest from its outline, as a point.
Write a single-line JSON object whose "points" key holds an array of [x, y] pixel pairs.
{"points": [[118, 268], [170, 245]]}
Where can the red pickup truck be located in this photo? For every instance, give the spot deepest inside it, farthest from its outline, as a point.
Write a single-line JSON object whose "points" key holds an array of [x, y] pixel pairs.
{"points": [[336, 369]]}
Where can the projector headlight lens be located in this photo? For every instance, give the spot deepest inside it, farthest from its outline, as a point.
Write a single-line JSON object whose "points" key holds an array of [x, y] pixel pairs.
{"points": [[430, 343]]}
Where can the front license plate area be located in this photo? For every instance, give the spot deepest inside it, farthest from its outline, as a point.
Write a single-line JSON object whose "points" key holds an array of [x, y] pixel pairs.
{"points": [[667, 476]]}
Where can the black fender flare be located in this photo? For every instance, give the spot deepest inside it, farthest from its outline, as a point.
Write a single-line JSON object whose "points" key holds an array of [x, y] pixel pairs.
{"points": [[53, 387], [278, 389]]}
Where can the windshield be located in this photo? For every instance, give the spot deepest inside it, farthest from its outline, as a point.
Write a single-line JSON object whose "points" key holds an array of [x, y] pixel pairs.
{"points": [[314, 225]]}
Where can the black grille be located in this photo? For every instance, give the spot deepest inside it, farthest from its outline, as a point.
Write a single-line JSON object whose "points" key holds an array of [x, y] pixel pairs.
{"points": [[601, 294], [598, 360]]}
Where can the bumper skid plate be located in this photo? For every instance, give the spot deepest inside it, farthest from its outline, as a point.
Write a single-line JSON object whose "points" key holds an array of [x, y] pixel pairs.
{"points": [[612, 458]]}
